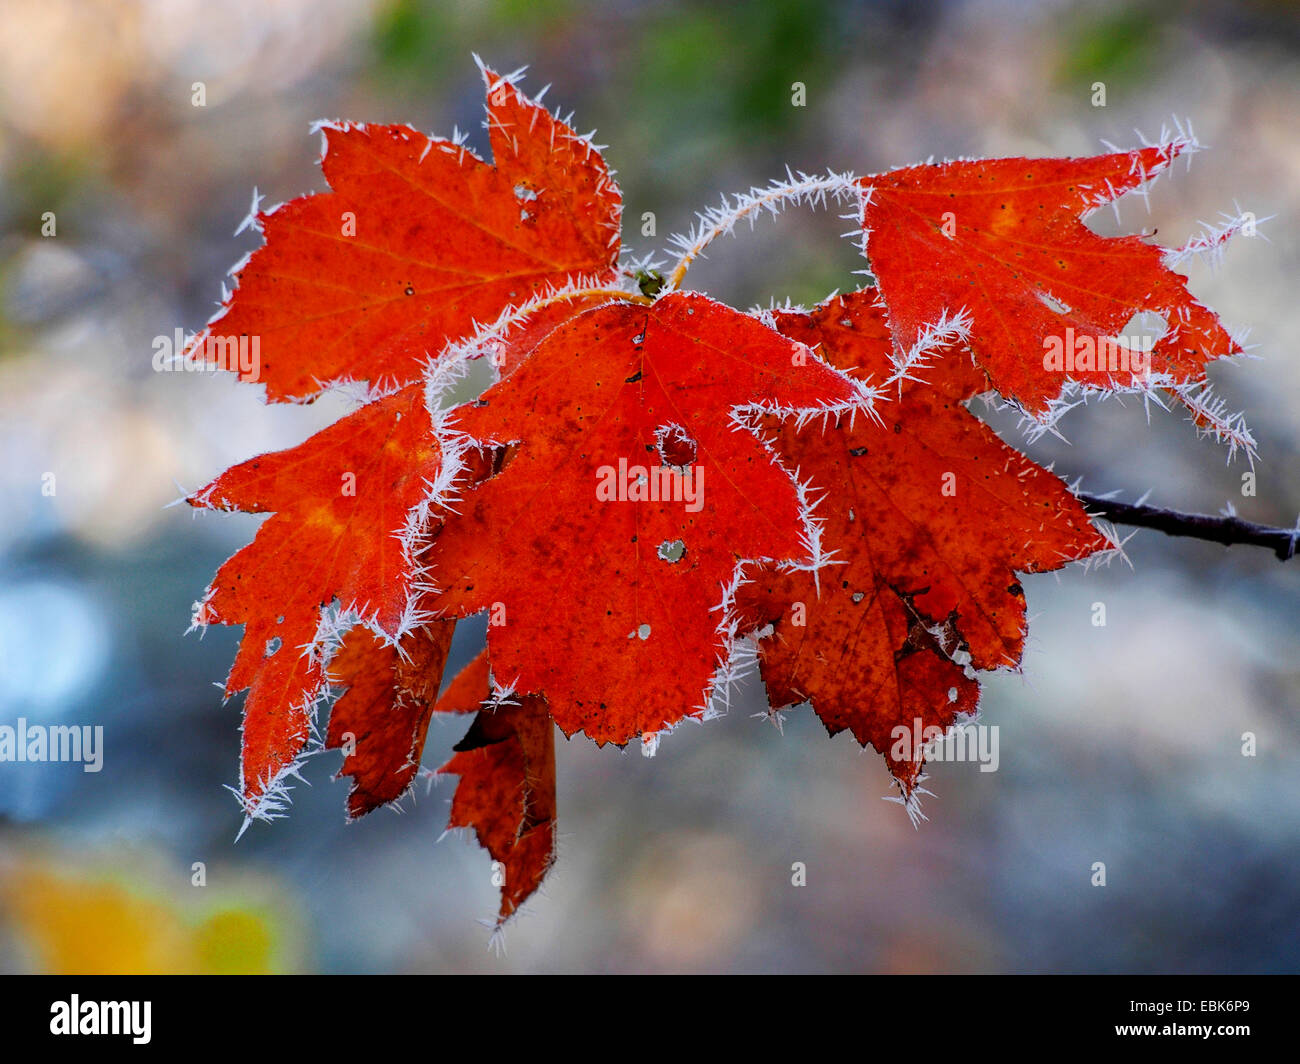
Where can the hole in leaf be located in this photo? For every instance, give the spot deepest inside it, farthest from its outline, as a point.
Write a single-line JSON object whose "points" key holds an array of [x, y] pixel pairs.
{"points": [[672, 550], [273, 645], [676, 446], [1143, 330]]}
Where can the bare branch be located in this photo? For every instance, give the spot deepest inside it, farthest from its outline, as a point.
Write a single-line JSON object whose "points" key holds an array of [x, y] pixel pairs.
{"points": [[1225, 530]]}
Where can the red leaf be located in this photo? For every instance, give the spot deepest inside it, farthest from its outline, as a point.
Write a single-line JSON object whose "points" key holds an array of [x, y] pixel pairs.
{"points": [[506, 793], [383, 716], [469, 688], [348, 505], [417, 241], [1002, 239], [603, 612], [930, 516]]}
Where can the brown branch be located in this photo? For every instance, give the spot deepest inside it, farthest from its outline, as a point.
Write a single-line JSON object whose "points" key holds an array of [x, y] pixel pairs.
{"points": [[1225, 530]]}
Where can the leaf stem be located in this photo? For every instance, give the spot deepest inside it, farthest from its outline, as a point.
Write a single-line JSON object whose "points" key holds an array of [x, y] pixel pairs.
{"points": [[718, 221], [585, 293], [1224, 530]]}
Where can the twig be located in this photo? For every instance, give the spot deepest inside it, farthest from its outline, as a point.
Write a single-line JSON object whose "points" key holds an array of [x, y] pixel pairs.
{"points": [[717, 221], [1225, 530]]}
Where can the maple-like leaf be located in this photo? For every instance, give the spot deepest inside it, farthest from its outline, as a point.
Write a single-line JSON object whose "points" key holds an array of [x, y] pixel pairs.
{"points": [[506, 792], [607, 546], [418, 243], [506, 761], [348, 505], [1003, 240], [929, 516], [382, 717]]}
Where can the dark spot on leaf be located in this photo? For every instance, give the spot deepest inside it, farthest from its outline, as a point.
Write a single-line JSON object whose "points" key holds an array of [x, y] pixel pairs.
{"points": [[676, 445]]}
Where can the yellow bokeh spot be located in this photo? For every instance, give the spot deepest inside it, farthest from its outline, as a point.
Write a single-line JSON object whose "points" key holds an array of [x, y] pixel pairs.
{"points": [[82, 924], [234, 942]]}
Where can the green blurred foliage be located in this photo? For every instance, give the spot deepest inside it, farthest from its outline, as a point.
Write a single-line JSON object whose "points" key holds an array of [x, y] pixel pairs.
{"points": [[40, 181], [1114, 46], [406, 34], [697, 70], [419, 41]]}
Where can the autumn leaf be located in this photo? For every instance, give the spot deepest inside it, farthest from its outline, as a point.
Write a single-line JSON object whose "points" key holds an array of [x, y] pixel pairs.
{"points": [[349, 506], [510, 343], [506, 792], [1001, 243], [607, 545], [469, 688], [382, 717], [930, 517], [506, 761], [417, 244]]}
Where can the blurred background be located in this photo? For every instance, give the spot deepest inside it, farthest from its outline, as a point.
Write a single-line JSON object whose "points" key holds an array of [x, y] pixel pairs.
{"points": [[1120, 744]]}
